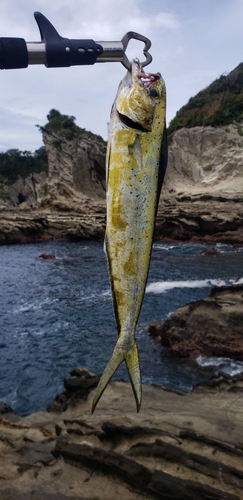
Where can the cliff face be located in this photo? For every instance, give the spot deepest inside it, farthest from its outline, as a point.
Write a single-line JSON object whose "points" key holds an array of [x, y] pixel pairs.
{"points": [[28, 191], [76, 171], [201, 196], [68, 202], [206, 160], [203, 188]]}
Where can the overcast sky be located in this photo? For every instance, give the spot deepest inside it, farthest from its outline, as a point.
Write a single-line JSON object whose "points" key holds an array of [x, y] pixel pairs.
{"points": [[193, 43]]}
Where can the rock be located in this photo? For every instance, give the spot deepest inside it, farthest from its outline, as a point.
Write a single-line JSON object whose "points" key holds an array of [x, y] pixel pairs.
{"points": [[79, 169], [201, 196], [210, 251], [205, 161], [4, 408], [179, 447], [222, 381], [68, 203], [153, 330], [37, 453], [108, 462], [47, 256], [77, 387], [28, 192], [208, 327], [202, 192]]}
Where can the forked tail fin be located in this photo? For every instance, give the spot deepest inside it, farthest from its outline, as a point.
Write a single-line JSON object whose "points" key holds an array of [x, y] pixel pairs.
{"points": [[130, 355]]}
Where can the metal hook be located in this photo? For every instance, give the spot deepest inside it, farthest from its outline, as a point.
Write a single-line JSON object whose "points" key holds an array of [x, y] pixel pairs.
{"points": [[56, 51], [147, 44]]}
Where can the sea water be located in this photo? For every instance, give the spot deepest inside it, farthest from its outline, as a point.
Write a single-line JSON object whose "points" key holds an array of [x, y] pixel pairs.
{"points": [[56, 315]]}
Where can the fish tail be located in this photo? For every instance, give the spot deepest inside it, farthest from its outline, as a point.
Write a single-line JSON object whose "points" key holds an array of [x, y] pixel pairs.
{"points": [[130, 355]]}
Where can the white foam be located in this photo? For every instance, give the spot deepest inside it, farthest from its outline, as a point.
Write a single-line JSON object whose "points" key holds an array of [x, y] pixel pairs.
{"points": [[107, 293], [161, 246], [164, 286], [226, 365], [95, 296], [33, 306], [239, 282]]}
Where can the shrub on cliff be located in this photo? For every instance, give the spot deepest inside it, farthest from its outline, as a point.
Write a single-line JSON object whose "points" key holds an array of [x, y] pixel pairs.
{"points": [[219, 104], [65, 126]]}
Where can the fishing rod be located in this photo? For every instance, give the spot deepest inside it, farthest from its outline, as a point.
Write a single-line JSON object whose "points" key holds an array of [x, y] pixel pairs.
{"points": [[55, 51]]}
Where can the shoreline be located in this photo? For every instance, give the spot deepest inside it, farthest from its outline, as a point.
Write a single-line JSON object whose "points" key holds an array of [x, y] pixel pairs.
{"points": [[33, 226]]}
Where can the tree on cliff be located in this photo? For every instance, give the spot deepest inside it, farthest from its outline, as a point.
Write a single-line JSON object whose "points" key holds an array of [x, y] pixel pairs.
{"points": [[64, 126], [15, 163]]}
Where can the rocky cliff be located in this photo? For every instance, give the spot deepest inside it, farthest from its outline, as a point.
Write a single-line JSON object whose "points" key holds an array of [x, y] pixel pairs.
{"points": [[67, 202], [201, 197], [76, 172], [203, 189]]}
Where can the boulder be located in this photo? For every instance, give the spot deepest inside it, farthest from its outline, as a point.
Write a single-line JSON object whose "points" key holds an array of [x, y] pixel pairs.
{"points": [[210, 251], [47, 256], [207, 327]]}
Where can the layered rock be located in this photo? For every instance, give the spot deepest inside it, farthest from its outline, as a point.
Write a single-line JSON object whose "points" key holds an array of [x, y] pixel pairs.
{"points": [[76, 171], [28, 192], [208, 327], [202, 193], [68, 203], [180, 446], [201, 198]]}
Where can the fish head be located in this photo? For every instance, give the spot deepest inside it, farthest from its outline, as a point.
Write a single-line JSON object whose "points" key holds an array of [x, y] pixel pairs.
{"points": [[138, 96]]}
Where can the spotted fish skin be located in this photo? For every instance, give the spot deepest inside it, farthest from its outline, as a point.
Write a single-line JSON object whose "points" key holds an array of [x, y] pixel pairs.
{"points": [[135, 167]]}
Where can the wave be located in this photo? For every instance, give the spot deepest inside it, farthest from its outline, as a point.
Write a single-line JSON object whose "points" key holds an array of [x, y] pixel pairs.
{"points": [[165, 246], [164, 286], [225, 365], [107, 293], [33, 306]]}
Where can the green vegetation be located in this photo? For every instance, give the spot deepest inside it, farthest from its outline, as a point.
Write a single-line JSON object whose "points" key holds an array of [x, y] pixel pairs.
{"points": [[219, 104], [15, 163], [65, 127], [4, 195]]}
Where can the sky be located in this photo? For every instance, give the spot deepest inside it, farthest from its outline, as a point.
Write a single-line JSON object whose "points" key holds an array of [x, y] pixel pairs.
{"points": [[193, 43]]}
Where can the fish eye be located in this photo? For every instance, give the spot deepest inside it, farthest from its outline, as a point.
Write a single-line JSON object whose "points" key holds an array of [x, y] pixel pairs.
{"points": [[153, 93]]}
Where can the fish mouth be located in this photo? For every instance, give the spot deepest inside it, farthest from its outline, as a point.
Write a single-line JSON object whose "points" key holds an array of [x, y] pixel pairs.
{"points": [[130, 123], [145, 79]]}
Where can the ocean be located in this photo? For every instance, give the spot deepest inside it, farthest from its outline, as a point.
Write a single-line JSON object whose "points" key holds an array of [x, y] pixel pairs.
{"points": [[56, 315]]}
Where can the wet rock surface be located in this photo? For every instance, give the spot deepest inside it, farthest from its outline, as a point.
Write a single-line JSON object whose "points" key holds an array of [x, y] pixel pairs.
{"points": [[208, 327], [180, 446]]}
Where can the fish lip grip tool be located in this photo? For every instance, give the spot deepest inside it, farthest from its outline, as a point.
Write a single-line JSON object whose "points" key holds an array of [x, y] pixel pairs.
{"points": [[55, 51]]}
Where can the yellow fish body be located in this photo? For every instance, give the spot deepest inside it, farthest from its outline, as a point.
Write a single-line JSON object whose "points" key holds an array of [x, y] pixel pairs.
{"points": [[136, 163]]}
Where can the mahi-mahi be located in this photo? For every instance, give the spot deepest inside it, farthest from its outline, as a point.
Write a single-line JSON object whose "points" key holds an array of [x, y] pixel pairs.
{"points": [[135, 168]]}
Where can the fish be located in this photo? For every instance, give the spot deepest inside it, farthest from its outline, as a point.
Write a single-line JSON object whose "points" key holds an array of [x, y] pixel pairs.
{"points": [[136, 162]]}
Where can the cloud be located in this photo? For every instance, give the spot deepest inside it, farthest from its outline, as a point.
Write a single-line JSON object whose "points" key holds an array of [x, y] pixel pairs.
{"points": [[192, 44]]}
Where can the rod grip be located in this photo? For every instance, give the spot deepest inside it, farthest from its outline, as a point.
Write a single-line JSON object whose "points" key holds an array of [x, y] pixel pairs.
{"points": [[13, 53]]}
